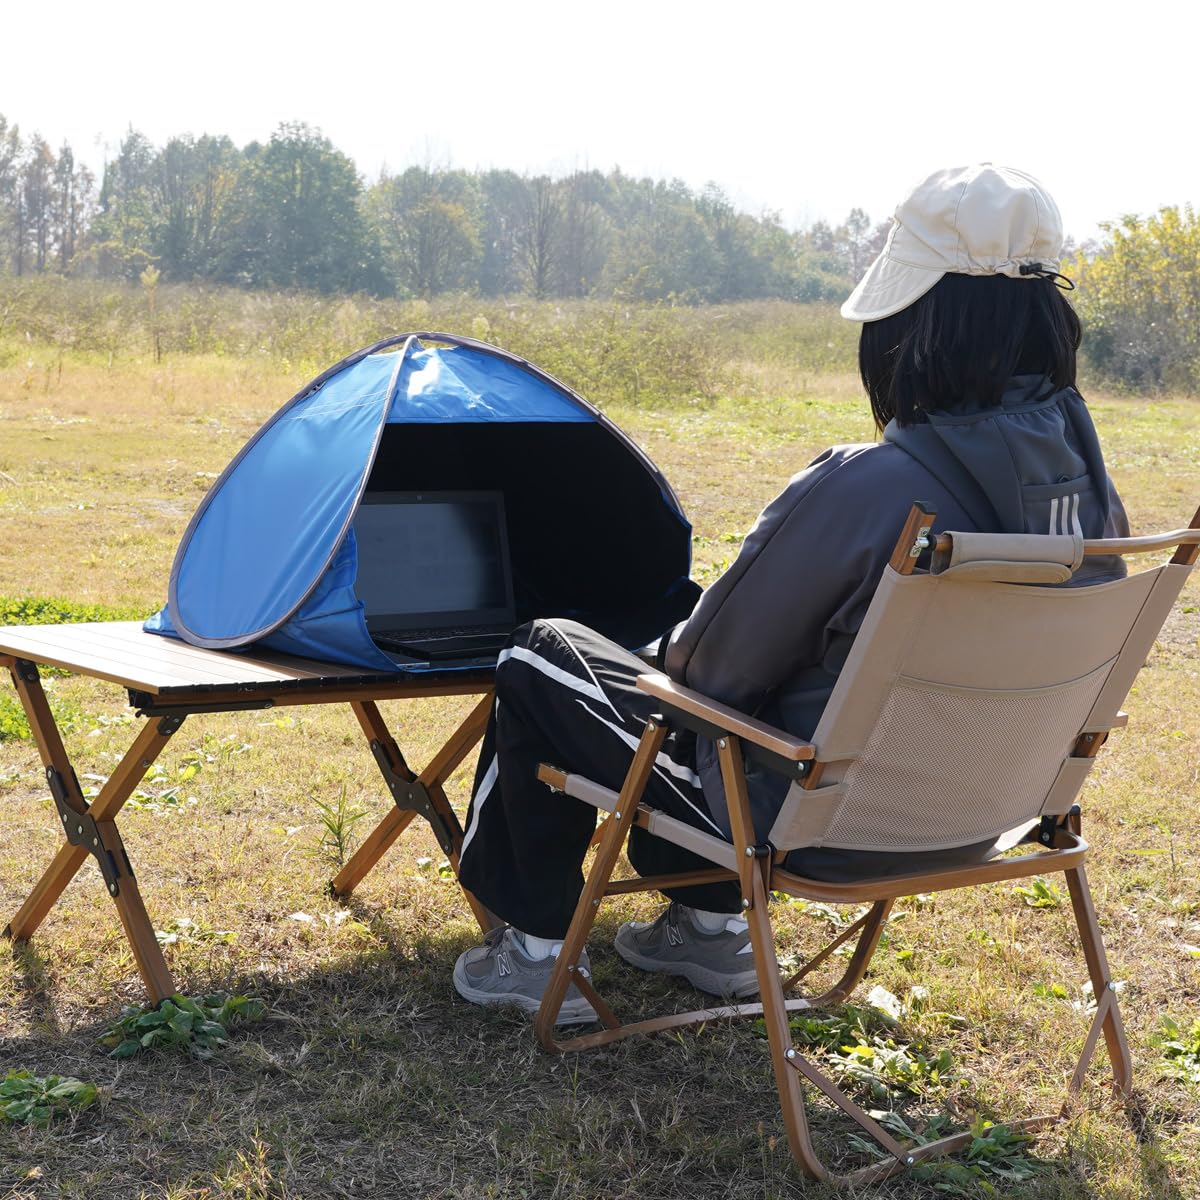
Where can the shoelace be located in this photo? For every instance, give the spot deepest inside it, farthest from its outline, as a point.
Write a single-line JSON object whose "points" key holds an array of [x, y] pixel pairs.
{"points": [[494, 937]]}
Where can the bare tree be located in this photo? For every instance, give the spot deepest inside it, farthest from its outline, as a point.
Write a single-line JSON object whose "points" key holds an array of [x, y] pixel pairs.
{"points": [[37, 203], [71, 204], [584, 233], [538, 234], [10, 160]]}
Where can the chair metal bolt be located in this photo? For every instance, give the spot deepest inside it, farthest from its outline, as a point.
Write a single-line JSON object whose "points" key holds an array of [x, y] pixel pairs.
{"points": [[749, 851], [112, 888], [617, 814], [745, 903], [790, 1052], [79, 830], [596, 903], [95, 841], [908, 1162], [571, 970], [721, 743]]}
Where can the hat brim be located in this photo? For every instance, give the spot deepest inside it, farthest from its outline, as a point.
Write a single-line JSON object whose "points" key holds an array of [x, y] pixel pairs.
{"points": [[887, 288]]}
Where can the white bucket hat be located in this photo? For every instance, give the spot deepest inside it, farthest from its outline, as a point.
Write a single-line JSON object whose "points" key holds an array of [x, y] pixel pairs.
{"points": [[977, 220]]}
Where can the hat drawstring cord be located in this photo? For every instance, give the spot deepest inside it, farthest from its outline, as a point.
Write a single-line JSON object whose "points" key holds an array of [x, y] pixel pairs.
{"points": [[1059, 280]]}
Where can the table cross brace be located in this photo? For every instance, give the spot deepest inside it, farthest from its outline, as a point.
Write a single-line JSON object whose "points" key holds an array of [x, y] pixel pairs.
{"points": [[411, 795], [82, 830]]}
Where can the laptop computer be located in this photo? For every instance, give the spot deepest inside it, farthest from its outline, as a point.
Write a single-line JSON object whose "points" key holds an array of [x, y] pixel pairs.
{"points": [[434, 575]]}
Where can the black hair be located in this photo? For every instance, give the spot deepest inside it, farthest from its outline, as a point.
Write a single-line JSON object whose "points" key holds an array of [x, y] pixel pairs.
{"points": [[962, 341]]}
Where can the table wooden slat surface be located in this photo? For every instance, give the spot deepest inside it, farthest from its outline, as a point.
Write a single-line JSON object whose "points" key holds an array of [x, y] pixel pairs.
{"points": [[122, 652]]}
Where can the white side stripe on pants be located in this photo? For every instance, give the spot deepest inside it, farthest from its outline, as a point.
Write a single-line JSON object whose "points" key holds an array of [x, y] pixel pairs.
{"points": [[485, 789], [664, 764], [584, 664]]}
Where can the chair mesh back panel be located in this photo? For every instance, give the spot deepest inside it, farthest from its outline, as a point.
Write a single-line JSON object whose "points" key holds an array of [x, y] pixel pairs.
{"points": [[976, 771]]}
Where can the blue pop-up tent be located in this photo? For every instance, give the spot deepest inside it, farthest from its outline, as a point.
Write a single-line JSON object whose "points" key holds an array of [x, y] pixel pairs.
{"points": [[269, 558]]}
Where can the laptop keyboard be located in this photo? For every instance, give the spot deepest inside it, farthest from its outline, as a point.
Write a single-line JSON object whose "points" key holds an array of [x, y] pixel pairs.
{"points": [[447, 646], [438, 635]]}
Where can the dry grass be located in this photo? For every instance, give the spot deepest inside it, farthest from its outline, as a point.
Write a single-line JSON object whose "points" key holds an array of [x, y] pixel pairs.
{"points": [[369, 1078]]}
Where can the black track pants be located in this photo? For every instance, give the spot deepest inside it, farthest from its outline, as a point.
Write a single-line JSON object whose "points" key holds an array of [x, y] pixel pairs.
{"points": [[565, 695]]}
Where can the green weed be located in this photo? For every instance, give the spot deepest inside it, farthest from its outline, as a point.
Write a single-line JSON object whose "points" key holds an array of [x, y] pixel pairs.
{"points": [[887, 1068], [162, 790], [35, 1100], [995, 1155], [1041, 894], [37, 610], [864, 1044], [1180, 1050], [193, 929], [337, 834], [444, 869], [13, 725], [197, 1025]]}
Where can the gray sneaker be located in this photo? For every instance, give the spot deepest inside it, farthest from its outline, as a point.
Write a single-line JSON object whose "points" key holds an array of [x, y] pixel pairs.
{"points": [[718, 963], [500, 972]]}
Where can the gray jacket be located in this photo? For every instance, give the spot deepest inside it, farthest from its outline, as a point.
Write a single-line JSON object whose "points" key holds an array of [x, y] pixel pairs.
{"points": [[771, 635]]}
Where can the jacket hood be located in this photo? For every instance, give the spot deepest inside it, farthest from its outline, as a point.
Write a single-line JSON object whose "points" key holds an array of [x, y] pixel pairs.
{"points": [[1005, 464]]}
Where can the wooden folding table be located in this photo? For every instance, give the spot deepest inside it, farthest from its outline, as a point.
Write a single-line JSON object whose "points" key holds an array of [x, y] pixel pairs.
{"points": [[169, 680]]}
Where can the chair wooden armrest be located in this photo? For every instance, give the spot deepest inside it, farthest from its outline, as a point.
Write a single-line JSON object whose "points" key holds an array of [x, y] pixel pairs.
{"points": [[721, 717]]}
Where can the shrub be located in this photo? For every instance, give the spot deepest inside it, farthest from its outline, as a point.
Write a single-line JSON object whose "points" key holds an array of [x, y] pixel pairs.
{"points": [[1139, 298]]}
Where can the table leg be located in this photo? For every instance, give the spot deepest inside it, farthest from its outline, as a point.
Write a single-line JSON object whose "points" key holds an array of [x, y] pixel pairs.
{"points": [[394, 823], [95, 831], [431, 780]]}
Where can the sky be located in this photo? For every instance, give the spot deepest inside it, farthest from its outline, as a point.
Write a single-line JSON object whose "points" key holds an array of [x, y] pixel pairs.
{"points": [[805, 110]]}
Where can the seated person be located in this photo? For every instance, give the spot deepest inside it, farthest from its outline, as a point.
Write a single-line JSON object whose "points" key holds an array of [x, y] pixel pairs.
{"points": [[967, 353]]}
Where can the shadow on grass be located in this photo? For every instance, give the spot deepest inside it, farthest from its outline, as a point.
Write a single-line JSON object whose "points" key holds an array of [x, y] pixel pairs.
{"points": [[33, 988], [369, 1077]]}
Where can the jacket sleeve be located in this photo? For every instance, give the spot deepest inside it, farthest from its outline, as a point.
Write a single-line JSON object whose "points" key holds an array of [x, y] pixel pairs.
{"points": [[1117, 524], [804, 561]]}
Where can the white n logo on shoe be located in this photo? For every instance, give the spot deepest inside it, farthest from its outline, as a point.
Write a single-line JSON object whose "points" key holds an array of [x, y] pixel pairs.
{"points": [[502, 963], [674, 937]]}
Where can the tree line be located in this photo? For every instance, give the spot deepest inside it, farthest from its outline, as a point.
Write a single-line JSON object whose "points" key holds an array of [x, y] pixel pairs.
{"points": [[293, 212]]}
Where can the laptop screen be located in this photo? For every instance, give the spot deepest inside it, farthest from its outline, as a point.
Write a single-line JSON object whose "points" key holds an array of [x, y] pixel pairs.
{"points": [[433, 560]]}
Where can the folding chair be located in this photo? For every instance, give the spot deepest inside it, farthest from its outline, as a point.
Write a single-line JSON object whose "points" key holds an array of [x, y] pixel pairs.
{"points": [[970, 710]]}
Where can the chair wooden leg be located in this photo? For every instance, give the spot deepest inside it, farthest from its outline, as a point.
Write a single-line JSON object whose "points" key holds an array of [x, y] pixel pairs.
{"points": [[1108, 1013], [779, 1036], [868, 928], [616, 830]]}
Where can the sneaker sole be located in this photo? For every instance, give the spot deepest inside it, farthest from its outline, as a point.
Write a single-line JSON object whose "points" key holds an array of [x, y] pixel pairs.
{"points": [[573, 1012], [733, 987]]}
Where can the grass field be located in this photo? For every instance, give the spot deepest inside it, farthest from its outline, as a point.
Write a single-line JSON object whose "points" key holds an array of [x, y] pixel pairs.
{"points": [[367, 1077]]}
